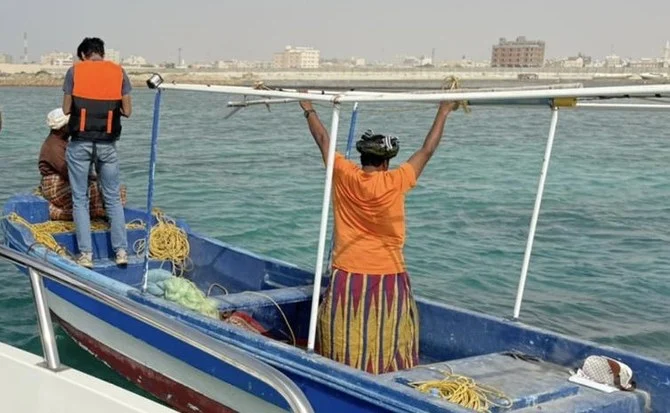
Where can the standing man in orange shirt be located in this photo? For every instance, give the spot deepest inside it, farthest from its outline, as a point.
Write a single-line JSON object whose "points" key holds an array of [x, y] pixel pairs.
{"points": [[368, 318]]}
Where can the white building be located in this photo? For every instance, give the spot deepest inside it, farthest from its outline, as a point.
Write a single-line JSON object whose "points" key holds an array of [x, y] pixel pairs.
{"points": [[613, 61], [646, 63], [573, 62], [113, 55], [297, 58], [666, 55], [134, 61], [57, 59], [6, 58]]}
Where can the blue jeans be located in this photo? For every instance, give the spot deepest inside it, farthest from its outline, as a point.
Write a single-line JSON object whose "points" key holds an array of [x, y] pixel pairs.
{"points": [[80, 155]]}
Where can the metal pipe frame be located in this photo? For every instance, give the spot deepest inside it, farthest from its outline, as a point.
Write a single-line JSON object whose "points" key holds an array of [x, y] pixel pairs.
{"points": [[662, 90], [536, 212], [323, 232], [226, 353], [150, 189]]}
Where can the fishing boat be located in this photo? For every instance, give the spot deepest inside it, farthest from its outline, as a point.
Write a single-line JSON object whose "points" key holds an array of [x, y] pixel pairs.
{"points": [[653, 76], [207, 364], [611, 76]]}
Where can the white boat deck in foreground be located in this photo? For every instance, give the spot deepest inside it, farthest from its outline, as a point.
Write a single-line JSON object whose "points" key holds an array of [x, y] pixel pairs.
{"points": [[26, 386]]}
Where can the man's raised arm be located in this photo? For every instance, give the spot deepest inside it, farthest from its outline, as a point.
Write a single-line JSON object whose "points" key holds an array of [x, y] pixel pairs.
{"points": [[423, 155], [319, 132]]}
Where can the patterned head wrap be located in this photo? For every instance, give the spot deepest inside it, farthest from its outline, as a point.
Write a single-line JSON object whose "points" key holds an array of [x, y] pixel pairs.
{"points": [[383, 146]]}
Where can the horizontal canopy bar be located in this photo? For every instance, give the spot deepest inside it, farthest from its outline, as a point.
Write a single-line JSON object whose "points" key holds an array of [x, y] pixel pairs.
{"points": [[473, 97], [626, 106]]}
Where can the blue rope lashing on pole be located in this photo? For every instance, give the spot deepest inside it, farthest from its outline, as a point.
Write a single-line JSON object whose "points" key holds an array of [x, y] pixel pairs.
{"points": [[150, 191], [347, 155]]}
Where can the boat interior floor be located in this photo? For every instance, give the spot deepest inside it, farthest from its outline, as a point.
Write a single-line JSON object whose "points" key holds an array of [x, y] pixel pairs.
{"points": [[531, 384]]}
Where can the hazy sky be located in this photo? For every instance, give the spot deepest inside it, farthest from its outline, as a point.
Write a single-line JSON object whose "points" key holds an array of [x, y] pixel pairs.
{"points": [[254, 29]]}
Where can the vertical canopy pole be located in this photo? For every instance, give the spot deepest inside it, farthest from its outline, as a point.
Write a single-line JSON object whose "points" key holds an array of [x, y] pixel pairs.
{"points": [[150, 191], [347, 155], [324, 227], [536, 211]]}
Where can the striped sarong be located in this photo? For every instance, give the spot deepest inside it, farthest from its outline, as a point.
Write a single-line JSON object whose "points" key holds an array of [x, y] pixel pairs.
{"points": [[369, 322], [57, 191]]}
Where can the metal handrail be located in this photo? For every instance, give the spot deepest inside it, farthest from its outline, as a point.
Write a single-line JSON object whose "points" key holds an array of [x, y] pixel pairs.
{"points": [[37, 269]]}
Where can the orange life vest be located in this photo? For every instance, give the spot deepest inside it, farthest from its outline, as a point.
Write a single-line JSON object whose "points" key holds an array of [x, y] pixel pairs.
{"points": [[96, 101]]}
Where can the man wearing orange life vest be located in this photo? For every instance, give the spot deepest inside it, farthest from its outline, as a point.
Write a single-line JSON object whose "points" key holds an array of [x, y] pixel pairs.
{"points": [[96, 95], [368, 318]]}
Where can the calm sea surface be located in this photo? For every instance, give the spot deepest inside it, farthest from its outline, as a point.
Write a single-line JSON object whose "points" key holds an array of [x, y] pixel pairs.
{"points": [[601, 260]]}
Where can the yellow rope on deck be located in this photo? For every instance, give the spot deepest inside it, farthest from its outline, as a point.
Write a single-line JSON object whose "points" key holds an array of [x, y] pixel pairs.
{"points": [[43, 232], [465, 391], [167, 242]]}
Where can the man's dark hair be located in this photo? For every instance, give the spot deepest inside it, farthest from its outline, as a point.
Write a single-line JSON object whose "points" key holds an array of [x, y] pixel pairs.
{"points": [[372, 160], [89, 46]]}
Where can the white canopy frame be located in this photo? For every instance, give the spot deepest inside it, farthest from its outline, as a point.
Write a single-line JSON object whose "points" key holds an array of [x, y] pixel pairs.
{"points": [[551, 97]]}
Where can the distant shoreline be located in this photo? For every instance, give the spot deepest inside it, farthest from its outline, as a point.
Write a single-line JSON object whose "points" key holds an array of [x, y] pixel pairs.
{"points": [[382, 79]]}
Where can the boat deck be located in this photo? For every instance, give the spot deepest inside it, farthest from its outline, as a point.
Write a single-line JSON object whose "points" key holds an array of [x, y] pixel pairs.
{"points": [[28, 387], [532, 386]]}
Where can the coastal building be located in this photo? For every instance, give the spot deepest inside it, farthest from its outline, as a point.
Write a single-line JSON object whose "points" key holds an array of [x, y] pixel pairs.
{"points": [[666, 55], [202, 65], [57, 59], [6, 58], [134, 61], [235, 64], [113, 55], [613, 61], [518, 53], [297, 58], [573, 62], [646, 63]]}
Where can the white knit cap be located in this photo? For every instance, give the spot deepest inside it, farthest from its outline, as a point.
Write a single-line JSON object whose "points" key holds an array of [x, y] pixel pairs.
{"points": [[56, 119]]}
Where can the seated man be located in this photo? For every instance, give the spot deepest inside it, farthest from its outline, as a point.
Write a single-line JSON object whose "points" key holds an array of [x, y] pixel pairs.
{"points": [[368, 318], [54, 185]]}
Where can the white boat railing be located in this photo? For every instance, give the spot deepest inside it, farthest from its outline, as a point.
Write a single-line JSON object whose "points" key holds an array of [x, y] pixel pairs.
{"points": [[37, 269]]}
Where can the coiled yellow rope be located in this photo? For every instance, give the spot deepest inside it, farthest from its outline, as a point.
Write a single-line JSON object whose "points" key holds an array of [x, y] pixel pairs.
{"points": [[167, 242], [465, 391], [453, 83]]}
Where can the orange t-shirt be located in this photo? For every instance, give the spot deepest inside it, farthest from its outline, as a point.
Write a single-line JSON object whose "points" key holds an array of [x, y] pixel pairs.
{"points": [[369, 213]]}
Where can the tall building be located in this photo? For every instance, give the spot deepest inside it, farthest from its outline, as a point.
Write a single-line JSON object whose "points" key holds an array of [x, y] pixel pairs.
{"points": [[113, 55], [518, 53], [6, 58], [666, 54], [297, 58]]}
